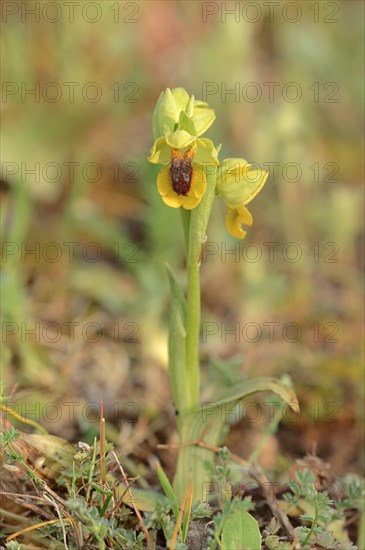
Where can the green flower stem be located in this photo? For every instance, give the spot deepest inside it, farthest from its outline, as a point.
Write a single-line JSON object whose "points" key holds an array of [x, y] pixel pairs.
{"points": [[200, 216], [198, 225], [192, 334], [185, 217]]}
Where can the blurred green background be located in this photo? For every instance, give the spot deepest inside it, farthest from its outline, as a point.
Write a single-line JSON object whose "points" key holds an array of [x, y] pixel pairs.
{"points": [[94, 291]]}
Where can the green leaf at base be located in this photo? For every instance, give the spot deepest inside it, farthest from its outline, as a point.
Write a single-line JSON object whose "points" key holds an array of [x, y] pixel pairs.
{"points": [[240, 531], [208, 424]]}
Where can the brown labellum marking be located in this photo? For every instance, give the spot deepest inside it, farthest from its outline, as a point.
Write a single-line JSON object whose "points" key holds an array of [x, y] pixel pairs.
{"points": [[181, 171]]}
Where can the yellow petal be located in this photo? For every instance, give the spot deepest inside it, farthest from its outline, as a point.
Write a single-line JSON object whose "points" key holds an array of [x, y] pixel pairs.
{"points": [[244, 215], [164, 184], [160, 152], [189, 201], [233, 225], [198, 181], [173, 199], [234, 218]]}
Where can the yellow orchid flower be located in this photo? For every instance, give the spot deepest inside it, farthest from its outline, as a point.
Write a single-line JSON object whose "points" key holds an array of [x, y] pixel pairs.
{"points": [[179, 121], [238, 184]]}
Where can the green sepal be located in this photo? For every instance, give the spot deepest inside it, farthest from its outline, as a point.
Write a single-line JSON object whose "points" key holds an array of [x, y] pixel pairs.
{"points": [[181, 98], [203, 117], [165, 114], [186, 123], [190, 106]]}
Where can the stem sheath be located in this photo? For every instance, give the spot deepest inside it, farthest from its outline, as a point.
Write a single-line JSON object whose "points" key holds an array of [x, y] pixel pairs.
{"points": [[197, 229]]}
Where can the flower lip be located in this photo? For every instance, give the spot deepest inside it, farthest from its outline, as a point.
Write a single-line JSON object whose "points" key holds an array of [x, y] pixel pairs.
{"points": [[189, 200], [181, 171]]}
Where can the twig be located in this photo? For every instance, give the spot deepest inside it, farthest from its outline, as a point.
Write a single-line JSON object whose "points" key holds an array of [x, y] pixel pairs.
{"points": [[23, 419], [45, 490], [36, 526], [52, 501], [264, 483], [136, 511], [186, 499]]}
